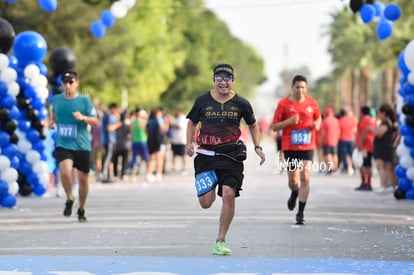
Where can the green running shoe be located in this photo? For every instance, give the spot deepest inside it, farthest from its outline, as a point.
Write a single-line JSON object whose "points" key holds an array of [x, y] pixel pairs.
{"points": [[82, 215], [220, 248]]}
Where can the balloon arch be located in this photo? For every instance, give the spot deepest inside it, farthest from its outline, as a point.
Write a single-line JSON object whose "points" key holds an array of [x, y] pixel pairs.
{"points": [[26, 143]]}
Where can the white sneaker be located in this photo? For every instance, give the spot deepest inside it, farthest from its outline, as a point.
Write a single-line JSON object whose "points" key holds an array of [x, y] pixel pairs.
{"points": [[151, 178], [60, 192], [382, 190], [159, 177], [390, 189]]}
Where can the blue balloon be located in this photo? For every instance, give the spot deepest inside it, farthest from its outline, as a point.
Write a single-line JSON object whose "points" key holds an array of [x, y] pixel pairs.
{"points": [[32, 135], [43, 113], [43, 68], [39, 189], [409, 195], [8, 201], [98, 29], [392, 12], [403, 79], [8, 101], [406, 130], [384, 29], [405, 184], [24, 125], [4, 188], [32, 178], [401, 91], [3, 89], [409, 141], [13, 63], [25, 167], [409, 98], [30, 92], [401, 64], [400, 172], [367, 13], [48, 5], [29, 47], [14, 113], [15, 162], [10, 150], [4, 138], [38, 104], [108, 19], [379, 8]]}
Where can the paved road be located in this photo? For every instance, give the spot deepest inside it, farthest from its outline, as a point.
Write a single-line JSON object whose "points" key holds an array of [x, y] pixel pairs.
{"points": [[159, 227]]}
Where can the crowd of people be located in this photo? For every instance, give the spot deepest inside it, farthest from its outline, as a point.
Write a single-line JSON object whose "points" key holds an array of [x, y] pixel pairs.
{"points": [[374, 133], [127, 143]]}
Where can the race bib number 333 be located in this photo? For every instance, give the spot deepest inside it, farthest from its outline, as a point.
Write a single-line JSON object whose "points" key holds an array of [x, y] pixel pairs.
{"points": [[205, 182], [301, 137]]}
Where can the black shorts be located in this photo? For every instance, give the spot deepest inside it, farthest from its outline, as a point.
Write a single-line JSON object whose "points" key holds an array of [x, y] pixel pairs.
{"points": [[294, 158], [80, 158], [329, 150], [367, 160], [231, 176], [178, 149]]}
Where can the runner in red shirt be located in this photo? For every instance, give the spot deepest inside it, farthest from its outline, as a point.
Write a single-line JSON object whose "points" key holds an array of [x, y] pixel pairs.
{"points": [[330, 137], [348, 125], [298, 115], [365, 142]]}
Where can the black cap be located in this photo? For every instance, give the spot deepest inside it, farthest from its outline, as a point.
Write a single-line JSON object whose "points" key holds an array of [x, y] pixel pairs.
{"points": [[70, 74], [223, 68]]}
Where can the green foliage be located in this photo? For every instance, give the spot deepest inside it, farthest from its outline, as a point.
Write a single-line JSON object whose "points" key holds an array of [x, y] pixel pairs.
{"points": [[161, 53]]}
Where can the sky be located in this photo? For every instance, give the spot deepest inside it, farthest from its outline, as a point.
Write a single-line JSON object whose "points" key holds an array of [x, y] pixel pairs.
{"points": [[286, 33]]}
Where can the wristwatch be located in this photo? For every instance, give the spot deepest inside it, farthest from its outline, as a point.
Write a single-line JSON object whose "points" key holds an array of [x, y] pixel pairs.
{"points": [[258, 147]]}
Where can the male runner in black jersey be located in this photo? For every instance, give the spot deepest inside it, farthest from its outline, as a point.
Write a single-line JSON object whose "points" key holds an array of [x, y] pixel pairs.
{"points": [[216, 116]]}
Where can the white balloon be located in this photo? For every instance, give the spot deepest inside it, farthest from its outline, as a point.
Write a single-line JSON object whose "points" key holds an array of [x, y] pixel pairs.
{"points": [[39, 81], [410, 77], [118, 9], [13, 89], [129, 3], [9, 175], [401, 118], [39, 167], [4, 162], [13, 187], [24, 145], [406, 161], [409, 55], [8, 75], [44, 178], [32, 156], [410, 173], [402, 150], [43, 93], [4, 61], [31, 71], [400, 103]]}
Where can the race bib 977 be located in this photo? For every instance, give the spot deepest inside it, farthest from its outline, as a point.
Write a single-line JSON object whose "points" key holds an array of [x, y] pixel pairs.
{"points": [[67, 130], [300, 137], [205, 182]]}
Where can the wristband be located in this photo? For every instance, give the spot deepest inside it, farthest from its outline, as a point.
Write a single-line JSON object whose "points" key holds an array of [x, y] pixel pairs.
{"points": [[258, 147]]}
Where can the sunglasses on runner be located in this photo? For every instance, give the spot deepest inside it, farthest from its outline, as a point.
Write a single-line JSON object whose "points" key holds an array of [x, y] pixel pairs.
{"points": [[66, 81], [226, 79]]}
